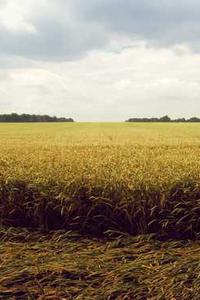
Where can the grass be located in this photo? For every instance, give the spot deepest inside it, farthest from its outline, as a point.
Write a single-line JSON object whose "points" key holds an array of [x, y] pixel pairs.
{"points": [[139, 183]]}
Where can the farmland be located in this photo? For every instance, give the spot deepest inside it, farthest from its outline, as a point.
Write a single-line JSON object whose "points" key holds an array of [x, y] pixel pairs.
{"points": [[122, 199]]}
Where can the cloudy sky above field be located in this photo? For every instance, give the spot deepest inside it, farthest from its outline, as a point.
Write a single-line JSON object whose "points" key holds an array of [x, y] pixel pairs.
{"points": [[100, 60]]}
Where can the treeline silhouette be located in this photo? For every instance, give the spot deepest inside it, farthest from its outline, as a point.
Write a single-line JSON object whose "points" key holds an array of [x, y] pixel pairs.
{"points": [[31, 118], [164, 119]]}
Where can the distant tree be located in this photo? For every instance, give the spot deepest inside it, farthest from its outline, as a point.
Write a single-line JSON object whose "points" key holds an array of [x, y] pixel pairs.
{"points": [[165, 119], [194, 119], [15, 118], [182, 120]]}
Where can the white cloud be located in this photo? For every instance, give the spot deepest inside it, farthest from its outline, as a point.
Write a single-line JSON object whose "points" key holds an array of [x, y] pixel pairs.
{"points": [[13, 16], [139, 81]]}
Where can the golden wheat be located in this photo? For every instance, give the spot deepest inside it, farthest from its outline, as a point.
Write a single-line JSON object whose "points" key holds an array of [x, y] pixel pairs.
{"points": [[137, 178]]}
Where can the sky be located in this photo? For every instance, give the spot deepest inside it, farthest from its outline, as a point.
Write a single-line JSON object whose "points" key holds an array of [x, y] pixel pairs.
{"points": [[100, 60]]}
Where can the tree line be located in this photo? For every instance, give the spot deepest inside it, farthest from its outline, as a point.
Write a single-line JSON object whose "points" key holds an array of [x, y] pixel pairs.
{"points": [[164, 119], [15, 118]]}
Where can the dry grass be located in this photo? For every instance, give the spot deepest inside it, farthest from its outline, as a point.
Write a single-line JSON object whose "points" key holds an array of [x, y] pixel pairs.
{"points": [[68, 266]]}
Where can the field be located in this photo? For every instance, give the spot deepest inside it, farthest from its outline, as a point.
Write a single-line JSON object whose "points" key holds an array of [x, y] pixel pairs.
{"points": [[100, 211]]}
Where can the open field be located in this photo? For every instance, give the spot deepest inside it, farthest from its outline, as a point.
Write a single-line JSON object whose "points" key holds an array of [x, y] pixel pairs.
{"points": [[105, 181], [137, 178]]}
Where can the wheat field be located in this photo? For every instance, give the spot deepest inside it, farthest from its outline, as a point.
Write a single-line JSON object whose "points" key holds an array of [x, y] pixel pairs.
{"points": [[98, 189], [99, 175]]}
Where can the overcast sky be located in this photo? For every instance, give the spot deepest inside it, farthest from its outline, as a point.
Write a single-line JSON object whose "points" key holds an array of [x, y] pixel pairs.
{"points": [[100, 60]]}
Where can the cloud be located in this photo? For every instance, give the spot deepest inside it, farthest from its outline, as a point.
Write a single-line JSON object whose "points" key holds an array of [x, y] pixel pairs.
{"points": [[46, 31], [66, 30], [159, 22], [13, 16], [107, 86], [100, 59]]}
